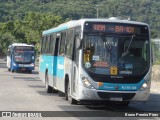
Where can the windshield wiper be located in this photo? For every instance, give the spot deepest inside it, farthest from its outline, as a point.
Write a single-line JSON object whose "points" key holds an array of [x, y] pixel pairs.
{"points": [[125, 53]]}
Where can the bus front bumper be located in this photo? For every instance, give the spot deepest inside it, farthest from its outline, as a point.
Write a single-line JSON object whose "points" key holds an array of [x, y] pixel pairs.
{"points": [[23, 67], [93, 94]]}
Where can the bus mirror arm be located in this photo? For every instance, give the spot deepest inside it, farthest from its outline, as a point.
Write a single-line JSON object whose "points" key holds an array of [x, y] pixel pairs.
{"points": [[79, 43]]}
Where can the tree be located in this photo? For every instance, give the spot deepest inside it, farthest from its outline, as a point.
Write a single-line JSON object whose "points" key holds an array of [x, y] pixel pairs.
{"points": [[6, 40], [34, 23]]}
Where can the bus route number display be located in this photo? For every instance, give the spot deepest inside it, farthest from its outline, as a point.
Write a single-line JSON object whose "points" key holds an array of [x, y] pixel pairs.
{"points": [[126, 29], [24, 48], [99, 27], [114, 28]]}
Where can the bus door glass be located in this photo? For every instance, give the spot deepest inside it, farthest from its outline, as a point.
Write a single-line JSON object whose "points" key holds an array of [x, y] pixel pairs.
{"points": [[75, 64], [70, 42], [55, 59]]}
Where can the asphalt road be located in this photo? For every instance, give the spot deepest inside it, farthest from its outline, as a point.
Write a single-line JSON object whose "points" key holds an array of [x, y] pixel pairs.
{"points": [[24, 92]]}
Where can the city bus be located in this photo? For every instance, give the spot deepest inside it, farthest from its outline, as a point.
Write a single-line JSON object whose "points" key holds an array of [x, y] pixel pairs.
{"points": [[21, 57], [97, 60]]}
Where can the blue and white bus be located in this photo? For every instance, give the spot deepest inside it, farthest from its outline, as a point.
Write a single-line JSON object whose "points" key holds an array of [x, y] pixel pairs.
{"points": [[21, 56], [97, 60]]}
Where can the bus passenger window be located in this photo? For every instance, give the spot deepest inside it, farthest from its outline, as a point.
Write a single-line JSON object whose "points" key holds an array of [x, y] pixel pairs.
{"points": [[62, 44]]}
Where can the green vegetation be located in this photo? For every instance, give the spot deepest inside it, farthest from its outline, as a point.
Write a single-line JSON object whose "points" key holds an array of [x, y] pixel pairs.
{"points": [[24, 20], [27, 30], [156, 54]]}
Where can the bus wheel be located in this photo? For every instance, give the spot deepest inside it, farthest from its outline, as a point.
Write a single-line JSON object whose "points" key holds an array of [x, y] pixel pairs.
{"points": [[48, 88], [68, 95], [9, 69], [12, 71]]}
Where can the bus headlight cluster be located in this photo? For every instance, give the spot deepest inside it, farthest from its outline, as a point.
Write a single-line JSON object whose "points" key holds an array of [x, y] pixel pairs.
{"points": [[32, 64], [14, 64], [145, 85], [86, 83]]}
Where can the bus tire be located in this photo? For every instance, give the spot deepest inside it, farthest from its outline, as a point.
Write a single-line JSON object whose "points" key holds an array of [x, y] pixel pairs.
{"points": [[68, 95], [9, 69], [48, 88], [12, 71], [66, 84]]}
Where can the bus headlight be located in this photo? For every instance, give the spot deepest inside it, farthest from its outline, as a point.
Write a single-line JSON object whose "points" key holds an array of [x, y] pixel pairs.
{"points": [[86, 83], [14, 64], [145, 85], [32, 64]]}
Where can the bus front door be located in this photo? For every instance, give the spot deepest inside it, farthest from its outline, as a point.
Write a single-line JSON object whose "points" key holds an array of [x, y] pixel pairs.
{"points": [[55, 62]]}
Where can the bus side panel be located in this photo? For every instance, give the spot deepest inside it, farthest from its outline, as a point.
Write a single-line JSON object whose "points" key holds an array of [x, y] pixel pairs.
{"points": [[11, 63], [42, 68], [50, 69], [8, 62], [59, 72], [68, 67], [46, 63]]}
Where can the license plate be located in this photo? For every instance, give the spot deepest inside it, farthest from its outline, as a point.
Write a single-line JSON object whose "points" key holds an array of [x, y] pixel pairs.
{"points": [[21, 65], [116, 99]]}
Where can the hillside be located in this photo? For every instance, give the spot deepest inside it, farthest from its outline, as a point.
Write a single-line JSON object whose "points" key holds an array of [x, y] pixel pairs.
{"points": [[19, 19]]}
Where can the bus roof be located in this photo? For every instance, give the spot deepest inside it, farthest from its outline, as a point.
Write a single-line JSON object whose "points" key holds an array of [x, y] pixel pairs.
{"points": [[20, 44], [80, 22]]}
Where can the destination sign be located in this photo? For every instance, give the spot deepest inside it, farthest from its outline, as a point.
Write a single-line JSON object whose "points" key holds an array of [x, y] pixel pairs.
{"points": [[24, 48], [119, 28]]}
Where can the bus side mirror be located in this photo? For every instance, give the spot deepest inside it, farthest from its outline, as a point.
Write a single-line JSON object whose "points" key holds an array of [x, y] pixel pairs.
{"points": [[78, 43]]}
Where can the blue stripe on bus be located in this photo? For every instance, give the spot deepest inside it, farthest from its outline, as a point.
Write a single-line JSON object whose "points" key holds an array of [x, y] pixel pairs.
{"points": [[46, 62], [54, 64], [121, 87], [55, 30], [59, 70]]}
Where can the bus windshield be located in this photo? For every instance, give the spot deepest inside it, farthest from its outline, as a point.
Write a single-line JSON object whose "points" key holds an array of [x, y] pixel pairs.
{"points": [[128, 55], [24, 56]]}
